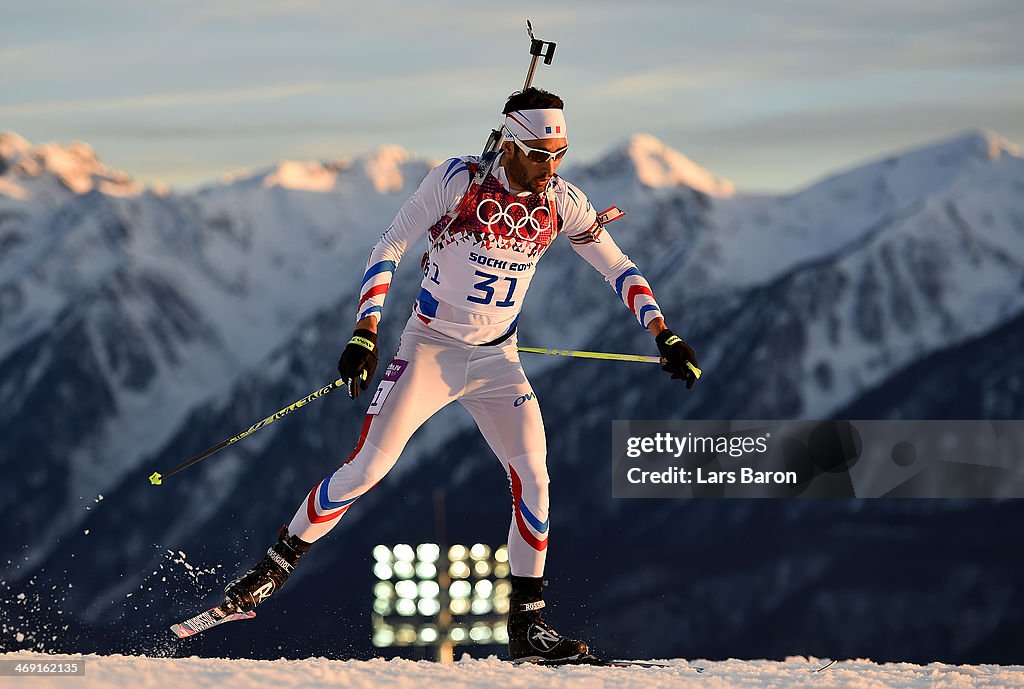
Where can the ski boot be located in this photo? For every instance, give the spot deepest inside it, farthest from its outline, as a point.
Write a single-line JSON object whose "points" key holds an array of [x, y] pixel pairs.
{"points": [[530, 638], [262, 581]]}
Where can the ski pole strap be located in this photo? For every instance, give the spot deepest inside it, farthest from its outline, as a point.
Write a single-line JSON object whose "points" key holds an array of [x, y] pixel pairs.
{"points": [[362, 342]]}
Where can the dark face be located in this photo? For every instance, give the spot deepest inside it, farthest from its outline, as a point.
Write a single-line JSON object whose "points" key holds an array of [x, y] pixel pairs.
{"points": [[523, 173]]}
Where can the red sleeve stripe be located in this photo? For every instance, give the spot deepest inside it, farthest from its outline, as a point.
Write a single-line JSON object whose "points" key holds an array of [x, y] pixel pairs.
{"points": [[373, 292], [634, 292]]}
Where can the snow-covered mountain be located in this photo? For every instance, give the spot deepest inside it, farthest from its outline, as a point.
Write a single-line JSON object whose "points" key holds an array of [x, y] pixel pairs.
{"points": [[123, 313], [139, 326]]}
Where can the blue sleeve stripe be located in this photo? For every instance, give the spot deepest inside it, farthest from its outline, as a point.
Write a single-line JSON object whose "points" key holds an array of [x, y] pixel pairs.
{"points": [[622, 278], [366, 312], [378, 268], [455, 168], [573, 195], [645, 309], [455, 161]]}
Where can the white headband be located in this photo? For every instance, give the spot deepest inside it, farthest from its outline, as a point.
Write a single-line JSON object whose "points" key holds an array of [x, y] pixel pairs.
{"points": [[548, 123]]}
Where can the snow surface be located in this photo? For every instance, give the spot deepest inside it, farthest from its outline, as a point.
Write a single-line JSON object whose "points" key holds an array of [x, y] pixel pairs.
{"points": [[141, 672]]}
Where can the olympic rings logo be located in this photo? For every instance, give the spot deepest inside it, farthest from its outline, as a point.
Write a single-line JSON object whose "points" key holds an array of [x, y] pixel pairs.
{"points": [[527, 226]]}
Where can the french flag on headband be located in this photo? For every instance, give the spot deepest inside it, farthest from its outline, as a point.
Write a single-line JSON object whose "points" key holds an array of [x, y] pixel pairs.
{"points": [[542, 123]]}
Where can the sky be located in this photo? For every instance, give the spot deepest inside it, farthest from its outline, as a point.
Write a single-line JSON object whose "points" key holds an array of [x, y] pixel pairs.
{"points": [[769, 94]]}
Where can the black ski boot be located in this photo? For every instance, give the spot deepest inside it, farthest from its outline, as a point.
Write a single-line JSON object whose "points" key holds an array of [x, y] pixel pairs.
{"points": [[530, 638], [262, 581]]}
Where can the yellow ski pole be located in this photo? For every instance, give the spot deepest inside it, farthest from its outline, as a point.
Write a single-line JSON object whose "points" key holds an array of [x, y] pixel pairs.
{"points": [[605, 355], [156, 478]]}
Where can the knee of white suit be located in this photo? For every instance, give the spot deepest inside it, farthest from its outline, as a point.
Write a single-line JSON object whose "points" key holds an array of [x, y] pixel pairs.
{"points": [[530, 473], [361, 473], [330, 499]]}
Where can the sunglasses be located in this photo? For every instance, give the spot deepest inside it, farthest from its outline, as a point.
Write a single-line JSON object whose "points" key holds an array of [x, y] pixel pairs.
{"points": [[540, 155]]}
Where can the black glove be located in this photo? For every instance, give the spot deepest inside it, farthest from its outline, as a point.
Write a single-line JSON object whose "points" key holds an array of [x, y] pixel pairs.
{"points": [[674, 355], [359, 361]]}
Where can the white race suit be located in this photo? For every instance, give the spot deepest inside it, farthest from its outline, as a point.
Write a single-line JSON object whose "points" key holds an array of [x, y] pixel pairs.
{"points": [[460, 342]]}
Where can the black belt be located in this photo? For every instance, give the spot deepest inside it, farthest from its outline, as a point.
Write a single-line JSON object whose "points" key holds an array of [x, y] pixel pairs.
{"points": [[498, 341]]}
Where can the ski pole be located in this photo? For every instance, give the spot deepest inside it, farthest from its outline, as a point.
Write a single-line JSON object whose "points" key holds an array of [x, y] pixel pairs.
{"points": [[607, 356], [156, 478], [538, 49]]}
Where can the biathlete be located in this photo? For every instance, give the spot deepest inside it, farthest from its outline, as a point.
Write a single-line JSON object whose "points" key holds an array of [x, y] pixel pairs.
{"points": [[488, 221]]}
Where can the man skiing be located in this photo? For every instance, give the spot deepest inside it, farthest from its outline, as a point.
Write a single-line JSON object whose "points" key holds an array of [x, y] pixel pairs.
{"points": [[488, 221]]}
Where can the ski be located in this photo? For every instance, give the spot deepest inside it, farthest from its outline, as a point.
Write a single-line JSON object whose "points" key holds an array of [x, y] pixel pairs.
{"points": [[601, 662], [207, 620], [633, 663], [595, 661]]}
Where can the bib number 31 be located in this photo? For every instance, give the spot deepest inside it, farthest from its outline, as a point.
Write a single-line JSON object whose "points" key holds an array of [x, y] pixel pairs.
{"points": [[487, 291]]}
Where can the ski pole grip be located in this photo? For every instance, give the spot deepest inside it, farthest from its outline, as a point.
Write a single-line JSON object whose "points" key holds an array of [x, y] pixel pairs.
{"points": [[696, 371]]}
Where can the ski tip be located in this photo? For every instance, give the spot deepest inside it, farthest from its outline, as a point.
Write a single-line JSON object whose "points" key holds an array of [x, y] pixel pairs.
{"points": [[181, 631]]}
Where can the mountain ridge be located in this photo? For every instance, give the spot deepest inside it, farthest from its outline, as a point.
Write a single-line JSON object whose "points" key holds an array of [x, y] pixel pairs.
{"points": [[656, 165]]}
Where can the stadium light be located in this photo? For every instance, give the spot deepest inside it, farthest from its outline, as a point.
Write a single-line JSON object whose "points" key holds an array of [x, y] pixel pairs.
{"points": [[431, 596]]}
